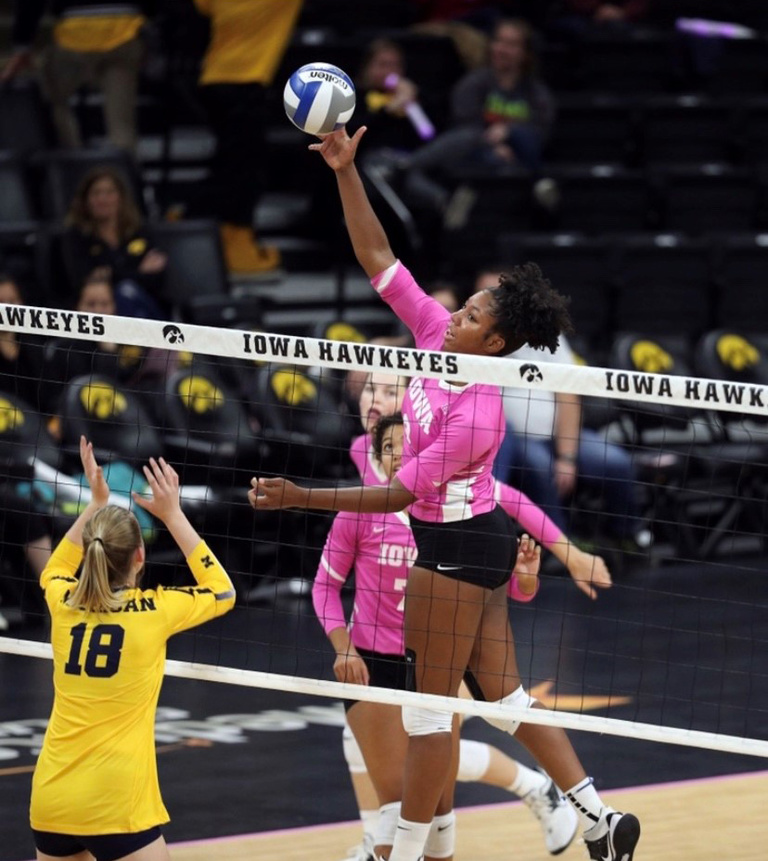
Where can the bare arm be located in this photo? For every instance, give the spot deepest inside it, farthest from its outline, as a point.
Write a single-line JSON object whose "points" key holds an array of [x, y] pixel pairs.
{"points": [[270, 493], [99, 492], [567, 432], [369, 240]]}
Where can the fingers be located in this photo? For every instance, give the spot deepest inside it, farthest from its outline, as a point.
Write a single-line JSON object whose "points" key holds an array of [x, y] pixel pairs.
{"points": [[140, 501]]}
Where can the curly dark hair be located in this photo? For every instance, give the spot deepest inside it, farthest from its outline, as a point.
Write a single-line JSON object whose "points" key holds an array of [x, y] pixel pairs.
{"points": [[529, 310], [382, 426]]}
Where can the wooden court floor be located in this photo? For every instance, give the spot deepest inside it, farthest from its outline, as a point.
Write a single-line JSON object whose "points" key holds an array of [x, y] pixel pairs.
{"points": [[700, 820]]}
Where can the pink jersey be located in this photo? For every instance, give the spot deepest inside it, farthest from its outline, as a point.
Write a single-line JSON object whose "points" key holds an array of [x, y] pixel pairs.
{"points": [[452, 433], [381, 549], [362, 455]]}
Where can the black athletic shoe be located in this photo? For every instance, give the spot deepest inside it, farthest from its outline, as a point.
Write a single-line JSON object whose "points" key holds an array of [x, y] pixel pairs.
{"points": [[619, 841]]}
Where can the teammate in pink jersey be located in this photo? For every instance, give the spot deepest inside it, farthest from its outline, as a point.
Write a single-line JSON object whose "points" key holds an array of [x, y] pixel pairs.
{"points": [[456, 619]]}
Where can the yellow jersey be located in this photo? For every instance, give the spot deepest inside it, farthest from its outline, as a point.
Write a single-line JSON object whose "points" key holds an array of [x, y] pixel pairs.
{"points": [[97, 770], [247, 40]]}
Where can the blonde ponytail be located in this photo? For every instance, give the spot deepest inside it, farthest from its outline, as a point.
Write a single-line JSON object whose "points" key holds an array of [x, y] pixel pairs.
{"points": [[110, 539]]}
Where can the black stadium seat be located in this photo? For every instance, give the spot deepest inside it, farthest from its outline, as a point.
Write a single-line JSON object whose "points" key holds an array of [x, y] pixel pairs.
{"points": [[112, 417], [625, 61], [62, 170], [603, 198], [708, 197], [593, 129], [741, 280], [664, 285], [25, 125], [16, 199], [685, 129], [195, 261]]}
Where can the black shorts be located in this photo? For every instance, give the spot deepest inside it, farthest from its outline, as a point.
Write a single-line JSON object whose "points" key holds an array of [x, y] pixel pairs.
{"points": [[481, 550], [386, 671], [103, 847]]}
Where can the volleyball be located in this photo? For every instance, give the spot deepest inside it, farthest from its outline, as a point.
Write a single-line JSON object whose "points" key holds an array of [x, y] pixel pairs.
{"points": [[319, 98]]}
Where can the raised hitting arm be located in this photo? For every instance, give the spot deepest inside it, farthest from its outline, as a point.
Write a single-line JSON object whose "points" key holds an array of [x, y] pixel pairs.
{"points": [[369, 240]]}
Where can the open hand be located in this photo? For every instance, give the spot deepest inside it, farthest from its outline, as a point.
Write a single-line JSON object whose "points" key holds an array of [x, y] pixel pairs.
{"points": [[94, 474], [527, 565], [163, 481], [338, 148], [589, 572], [267, 494]]}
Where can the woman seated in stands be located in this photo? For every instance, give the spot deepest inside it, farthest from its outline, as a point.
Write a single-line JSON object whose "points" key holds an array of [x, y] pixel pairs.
{"points": [[21, 527], [106, 229], [128, 364], [21, 356]]}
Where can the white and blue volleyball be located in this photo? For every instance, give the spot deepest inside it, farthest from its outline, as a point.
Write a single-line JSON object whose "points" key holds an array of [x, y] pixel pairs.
{"points": [[319, 98]]}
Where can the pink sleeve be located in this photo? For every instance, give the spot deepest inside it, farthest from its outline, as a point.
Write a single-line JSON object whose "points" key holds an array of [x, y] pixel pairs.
{"points": [[423, 315], [358, 452], [335, 565], [514, 592], [533, 520], [464, 439]]}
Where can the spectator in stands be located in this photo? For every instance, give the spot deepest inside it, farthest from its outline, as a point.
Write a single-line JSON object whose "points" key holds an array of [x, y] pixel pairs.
{"points": [[502, 115], [246, 45], [470, 23], [106, 231], [21, 371], [383, 95], [21, 356], [551, 452], [93, 42], [130, 365]]}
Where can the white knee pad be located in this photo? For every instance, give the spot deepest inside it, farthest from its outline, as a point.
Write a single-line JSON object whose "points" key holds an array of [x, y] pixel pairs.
{"points": [[474, 759], [386, 827], [352, 752], [441, 842], [519, 698], [420, 721]]}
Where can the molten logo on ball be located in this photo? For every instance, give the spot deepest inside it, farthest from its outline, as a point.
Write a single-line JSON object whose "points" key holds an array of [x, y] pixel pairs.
{"points": [[319, 98]]}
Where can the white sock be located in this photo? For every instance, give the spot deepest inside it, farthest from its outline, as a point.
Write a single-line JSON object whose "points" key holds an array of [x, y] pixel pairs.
{"points": [[527, 780], [587, 804], [410, 840]]}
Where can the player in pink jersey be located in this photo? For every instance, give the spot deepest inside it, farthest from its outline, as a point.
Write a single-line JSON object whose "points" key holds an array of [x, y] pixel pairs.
{"points": [[369, 650], [456, 619]]}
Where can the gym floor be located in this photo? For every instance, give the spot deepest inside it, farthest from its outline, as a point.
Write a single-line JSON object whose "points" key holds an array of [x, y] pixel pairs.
{"points": [[680, 645]]}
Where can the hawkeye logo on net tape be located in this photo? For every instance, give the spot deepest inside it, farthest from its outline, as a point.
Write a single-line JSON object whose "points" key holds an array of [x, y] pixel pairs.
{"points": [[342, 353], [531, 373]]}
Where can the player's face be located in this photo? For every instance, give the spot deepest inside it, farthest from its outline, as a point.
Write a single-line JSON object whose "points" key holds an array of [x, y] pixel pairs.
{"points": [[382, 395], [392, 450], [472, 328], [103, 199]]}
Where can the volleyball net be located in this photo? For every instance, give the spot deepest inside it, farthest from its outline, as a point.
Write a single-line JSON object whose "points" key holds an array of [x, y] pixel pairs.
{"points": [[672, 496]]}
